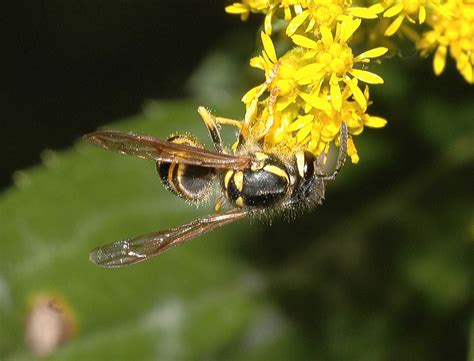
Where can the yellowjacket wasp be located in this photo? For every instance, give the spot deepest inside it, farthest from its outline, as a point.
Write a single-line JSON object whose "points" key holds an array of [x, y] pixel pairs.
{"points": [[252, 181]]}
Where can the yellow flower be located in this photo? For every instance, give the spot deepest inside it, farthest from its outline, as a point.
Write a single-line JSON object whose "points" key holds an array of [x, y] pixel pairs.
{"points": [[404, 9], [452, 28], [281, 85], [312, 13], [318, 13], [245, 7], [311, 89], [305, 104], [282, 75], [317, 137], [334, 62], [315, 129]]}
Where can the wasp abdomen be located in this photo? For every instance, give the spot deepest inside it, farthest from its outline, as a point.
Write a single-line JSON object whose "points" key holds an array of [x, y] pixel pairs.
{"points": [[261, 187], [189, 182], [186, 181]]}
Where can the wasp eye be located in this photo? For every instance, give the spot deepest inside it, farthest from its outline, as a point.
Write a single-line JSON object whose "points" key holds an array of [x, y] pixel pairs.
{"points": [[308, 165]]}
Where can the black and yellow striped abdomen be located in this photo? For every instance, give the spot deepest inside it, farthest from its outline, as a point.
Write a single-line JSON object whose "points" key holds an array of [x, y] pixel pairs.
{"points": [[189, 182]]}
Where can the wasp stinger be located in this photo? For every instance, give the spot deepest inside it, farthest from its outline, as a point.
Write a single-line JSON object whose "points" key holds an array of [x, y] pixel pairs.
{"points": [[252, 181]]}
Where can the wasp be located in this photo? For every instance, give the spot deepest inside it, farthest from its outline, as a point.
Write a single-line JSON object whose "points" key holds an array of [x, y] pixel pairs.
{"points": [[252, 181]]}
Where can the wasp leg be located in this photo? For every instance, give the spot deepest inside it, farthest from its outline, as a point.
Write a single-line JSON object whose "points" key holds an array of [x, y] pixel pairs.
{"points": [[341, 158], [232, 122], [211, 125]]}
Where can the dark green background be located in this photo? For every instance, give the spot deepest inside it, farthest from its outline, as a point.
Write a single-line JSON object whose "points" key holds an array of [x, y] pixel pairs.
{"points": [[380, 272]]}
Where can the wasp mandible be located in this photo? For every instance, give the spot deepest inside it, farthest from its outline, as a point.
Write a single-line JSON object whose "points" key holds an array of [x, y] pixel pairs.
{"points": [[252, 181]]}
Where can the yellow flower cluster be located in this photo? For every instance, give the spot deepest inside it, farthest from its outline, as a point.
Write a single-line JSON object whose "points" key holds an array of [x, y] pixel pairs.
{"points": [[452, 27], [404, 9], [316, 85]]}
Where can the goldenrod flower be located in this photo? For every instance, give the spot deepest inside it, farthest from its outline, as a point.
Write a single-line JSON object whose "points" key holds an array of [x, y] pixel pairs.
{"points": [[313, 130], [452, 28], [246, 6], [311, 13], [316, 136], [404, 9], [334, 61], [325, 13], [305, 103], [282, 77], [281, 84], [315, 86], [267, 7]]}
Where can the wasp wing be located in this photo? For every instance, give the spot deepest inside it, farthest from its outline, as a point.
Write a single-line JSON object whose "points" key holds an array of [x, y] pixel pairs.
{"points": [[141, 248], [148, 147]]}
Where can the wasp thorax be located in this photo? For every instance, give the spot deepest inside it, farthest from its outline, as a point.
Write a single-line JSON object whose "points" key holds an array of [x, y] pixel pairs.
{"points": [[186, 181], [261, 186]]}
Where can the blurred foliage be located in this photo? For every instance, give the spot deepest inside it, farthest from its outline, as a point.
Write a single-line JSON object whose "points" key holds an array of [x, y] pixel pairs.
{"points": [[381, 271]]}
